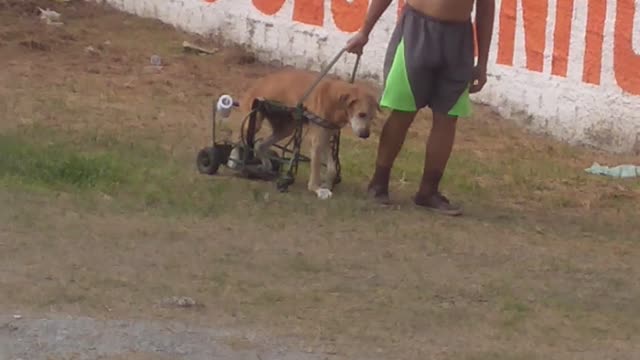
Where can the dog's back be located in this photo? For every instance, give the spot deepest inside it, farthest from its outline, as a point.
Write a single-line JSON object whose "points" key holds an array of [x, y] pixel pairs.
{"points": [[286, 86]]}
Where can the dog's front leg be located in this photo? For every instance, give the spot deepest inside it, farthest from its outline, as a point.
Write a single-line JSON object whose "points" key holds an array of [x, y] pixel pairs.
{"points": [[318, 149], [332, 166]]}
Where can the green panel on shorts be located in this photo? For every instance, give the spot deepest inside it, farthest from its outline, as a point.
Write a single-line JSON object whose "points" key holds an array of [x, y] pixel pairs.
{"points": [[462, 108], [397, 93]]}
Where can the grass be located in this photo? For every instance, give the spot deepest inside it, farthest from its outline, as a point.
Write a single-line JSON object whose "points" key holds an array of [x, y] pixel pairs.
{"points": [[53, 166], [104, 215], [144, 176]]}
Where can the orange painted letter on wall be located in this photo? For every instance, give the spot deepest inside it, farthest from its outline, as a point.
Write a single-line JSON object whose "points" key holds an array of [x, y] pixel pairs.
{"points": [[626, 63], [349, 15], [507, 32], [562, 37], [268, 7], [592, 66], [534, 13], [310, 12]]}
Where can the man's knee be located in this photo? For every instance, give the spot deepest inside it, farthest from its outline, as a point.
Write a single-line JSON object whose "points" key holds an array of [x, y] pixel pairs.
{"points": [[444, 122], [401, 117], [444, 117]]}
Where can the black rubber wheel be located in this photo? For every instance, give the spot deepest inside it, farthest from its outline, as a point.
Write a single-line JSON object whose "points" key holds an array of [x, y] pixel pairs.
{"points": [[284, 182], [208, 161]]}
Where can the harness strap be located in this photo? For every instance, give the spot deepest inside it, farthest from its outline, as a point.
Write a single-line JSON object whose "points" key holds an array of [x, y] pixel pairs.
{"points": [[319, 121]]}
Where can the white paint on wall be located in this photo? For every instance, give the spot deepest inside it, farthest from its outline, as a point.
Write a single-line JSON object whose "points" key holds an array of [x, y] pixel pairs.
{"points": [[564, 107], [636, 27]]}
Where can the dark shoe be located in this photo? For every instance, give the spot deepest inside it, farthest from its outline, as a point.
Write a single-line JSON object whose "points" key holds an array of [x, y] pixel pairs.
{"points": [[438, 203], [379, 195]]}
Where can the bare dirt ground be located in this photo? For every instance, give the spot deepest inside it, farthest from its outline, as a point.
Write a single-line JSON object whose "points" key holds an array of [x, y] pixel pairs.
{"points": [[103, 216]]}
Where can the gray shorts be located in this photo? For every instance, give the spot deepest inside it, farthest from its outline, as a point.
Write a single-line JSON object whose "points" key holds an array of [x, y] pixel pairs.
{"points": [[429, 62]]}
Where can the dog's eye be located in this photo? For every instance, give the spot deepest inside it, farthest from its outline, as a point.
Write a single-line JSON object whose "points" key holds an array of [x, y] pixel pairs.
{"points": [[362, 115]]}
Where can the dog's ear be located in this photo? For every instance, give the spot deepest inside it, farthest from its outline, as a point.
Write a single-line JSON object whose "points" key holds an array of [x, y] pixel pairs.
{"points": [[346, 98], [371, 94], [374, 100]]}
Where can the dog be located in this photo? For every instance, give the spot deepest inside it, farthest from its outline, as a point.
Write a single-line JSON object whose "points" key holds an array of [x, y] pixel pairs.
{"points": [[337, 101]]}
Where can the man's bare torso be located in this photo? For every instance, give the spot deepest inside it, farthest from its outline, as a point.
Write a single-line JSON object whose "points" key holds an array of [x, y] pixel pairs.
{"points": [[447, 10]]}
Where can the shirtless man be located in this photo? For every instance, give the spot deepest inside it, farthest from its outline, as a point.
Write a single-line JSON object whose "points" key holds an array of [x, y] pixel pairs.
{"points": [[429, 62]]}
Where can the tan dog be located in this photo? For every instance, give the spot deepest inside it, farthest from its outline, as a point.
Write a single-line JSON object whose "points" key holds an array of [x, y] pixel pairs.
{"points": [[337, 101]]}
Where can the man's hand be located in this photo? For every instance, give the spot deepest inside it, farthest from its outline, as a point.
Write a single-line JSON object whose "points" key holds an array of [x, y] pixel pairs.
{"points": [[485, 13], [357, 43], [479, 79], [361, 38]]}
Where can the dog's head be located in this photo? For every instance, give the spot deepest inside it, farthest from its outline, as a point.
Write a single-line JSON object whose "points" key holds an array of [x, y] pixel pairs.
{"points": [[361, 109]]}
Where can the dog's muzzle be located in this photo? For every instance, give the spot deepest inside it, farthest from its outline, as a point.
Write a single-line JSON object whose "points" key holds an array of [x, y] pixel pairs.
{"points": [[364, 134], [360, 128]]}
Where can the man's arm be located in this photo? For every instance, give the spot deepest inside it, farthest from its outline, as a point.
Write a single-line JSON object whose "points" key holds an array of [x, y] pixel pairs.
{"points": [[360, 39], [485, 12], [376, 10]]}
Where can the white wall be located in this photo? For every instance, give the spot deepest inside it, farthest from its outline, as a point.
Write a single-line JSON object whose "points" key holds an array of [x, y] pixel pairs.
{"points": [[569, 107]]}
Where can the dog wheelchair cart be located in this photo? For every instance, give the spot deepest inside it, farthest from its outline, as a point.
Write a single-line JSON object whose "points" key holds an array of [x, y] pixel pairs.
{"points": [[281, 162]]}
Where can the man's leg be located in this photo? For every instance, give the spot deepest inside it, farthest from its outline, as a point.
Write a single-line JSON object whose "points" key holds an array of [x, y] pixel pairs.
{"points": [[439, 147], [404, 98], [438, 151], [450, 101], [391, 140]]}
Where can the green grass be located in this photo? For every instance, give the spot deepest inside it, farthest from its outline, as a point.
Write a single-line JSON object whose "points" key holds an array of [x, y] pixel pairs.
{"points": [[143, 176], [138, 176], [58, 167]]}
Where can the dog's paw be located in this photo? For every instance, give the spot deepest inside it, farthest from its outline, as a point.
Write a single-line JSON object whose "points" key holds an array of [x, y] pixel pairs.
{"points": [[324, 194]]}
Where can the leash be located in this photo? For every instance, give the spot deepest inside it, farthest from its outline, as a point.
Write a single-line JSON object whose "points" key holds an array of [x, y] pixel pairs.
{"points": [[355, 69], [325, 71]]}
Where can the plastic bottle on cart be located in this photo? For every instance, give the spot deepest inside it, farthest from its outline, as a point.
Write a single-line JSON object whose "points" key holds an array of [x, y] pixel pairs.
{"points": [[223, 110]]}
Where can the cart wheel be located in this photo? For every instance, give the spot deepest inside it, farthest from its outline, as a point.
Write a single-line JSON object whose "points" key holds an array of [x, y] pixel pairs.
{"points": [[284, 182], [208, 161]]}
